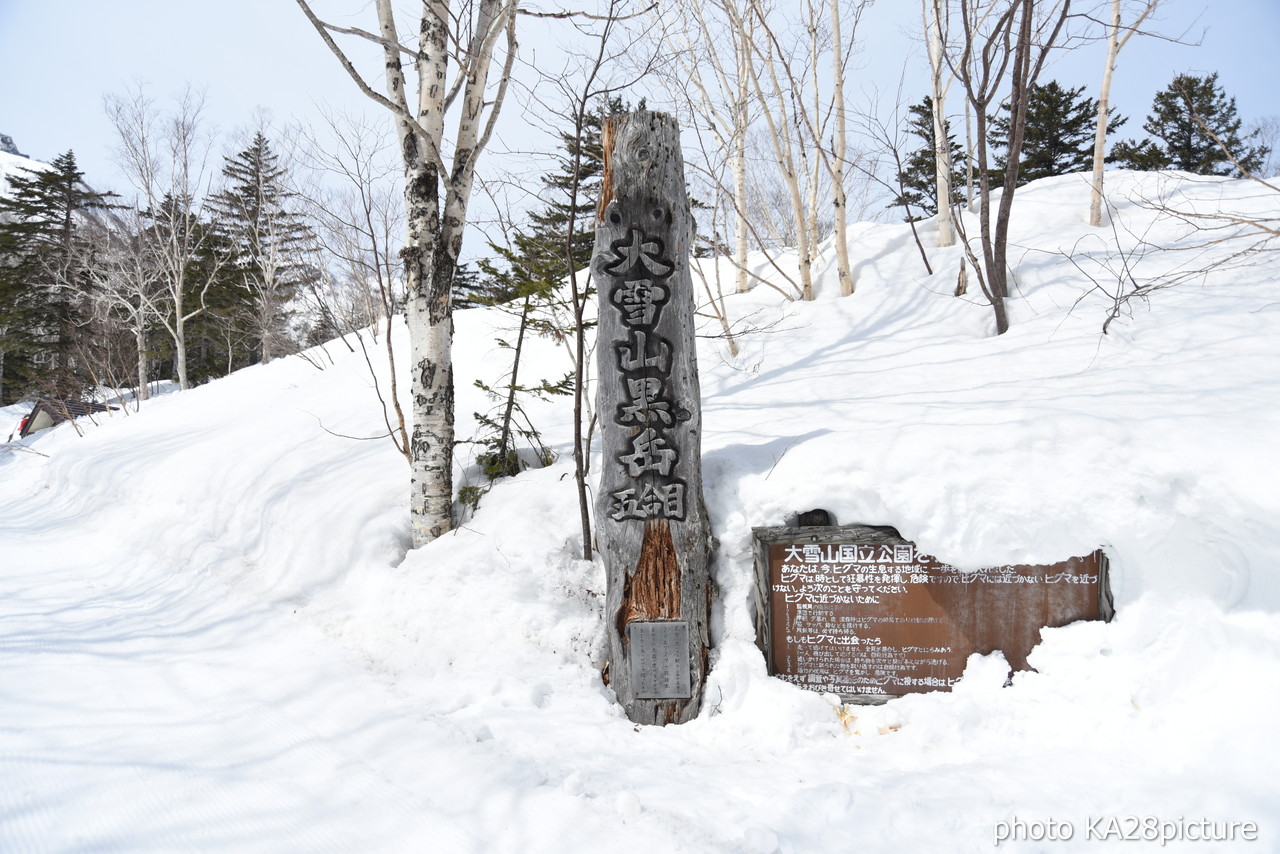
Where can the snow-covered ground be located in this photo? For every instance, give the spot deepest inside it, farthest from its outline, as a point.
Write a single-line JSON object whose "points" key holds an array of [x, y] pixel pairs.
{"points": [[213, 637]]}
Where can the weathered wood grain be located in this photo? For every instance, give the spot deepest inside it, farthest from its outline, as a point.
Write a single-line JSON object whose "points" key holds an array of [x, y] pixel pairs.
{"points": [[651, 522]]}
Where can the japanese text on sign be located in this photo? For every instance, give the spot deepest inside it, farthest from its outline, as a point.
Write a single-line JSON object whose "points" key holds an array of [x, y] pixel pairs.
{"points": [[883, 619], [638, 292]]}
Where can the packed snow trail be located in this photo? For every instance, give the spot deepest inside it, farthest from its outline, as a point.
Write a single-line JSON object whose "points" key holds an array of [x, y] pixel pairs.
{"points": [[144, 710], [153, 712], [154, 698]]}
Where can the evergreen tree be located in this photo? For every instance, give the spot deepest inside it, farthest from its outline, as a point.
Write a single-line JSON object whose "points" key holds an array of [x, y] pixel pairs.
{"points": [[1059, 134], [198, 279], [470, 291], [258, 219], [222, 338], [918, 176], [527, 276], [46, 246], [539, 256], [1185, 117]]}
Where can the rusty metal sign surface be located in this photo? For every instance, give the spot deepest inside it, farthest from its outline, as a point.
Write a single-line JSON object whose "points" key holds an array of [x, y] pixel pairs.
{"points": [[659, 652], [884, 620]]}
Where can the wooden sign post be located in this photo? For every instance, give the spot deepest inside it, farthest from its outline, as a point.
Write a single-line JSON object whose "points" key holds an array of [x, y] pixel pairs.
{"points": [[651, 524]]}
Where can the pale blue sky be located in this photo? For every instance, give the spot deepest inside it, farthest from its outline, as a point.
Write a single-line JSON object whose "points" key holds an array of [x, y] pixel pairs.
{"points": [[59, 57]]}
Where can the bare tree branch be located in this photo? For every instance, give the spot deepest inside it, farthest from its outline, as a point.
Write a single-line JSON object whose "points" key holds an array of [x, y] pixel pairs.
{"points": [[587, 16]]}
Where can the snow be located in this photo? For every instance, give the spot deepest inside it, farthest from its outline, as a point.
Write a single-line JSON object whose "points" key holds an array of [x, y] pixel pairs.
{"points": [[214, 637], [11, 418], [17, 165]]}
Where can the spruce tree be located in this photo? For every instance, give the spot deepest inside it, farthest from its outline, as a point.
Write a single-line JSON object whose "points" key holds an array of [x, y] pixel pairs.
{"points": [[1185, 117], [470, 291], [1059, 134], [258, 218], [224, 336], [540, 256], [527, 276], [917, 178], [47, 222]]}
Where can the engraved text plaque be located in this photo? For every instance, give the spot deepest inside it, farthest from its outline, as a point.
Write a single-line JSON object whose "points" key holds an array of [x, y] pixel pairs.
{"points": [[659, 653]]}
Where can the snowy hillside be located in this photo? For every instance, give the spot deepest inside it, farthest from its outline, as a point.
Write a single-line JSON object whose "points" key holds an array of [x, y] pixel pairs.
{"points": [[16, 164], [212, 637]]}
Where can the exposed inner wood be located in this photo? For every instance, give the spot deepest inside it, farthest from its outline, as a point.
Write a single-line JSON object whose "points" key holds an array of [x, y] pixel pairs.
{"points": [[652, 592], [606, 172]]}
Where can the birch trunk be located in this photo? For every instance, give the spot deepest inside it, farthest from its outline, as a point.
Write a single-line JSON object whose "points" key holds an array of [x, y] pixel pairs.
{"points": [[1114, 45], [941, 150], [815, 171], [970, 197], [738, 166], [741, 89], [784, 152], [840, 150], [140, 338], [741, 124], [177, 288], [435, 225], [181, 345], [427, 311], [1104, 94]]}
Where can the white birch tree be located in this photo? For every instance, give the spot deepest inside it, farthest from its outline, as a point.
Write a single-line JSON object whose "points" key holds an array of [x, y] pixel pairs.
{"points": [[934, 41], [165, 158], [716, 36], [815, 115], [449, 72], [129, 288], [1115, 44], [355, 199], [840, 146]]}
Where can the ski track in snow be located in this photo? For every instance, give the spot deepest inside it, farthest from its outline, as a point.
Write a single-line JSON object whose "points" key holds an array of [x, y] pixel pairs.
{"points": [[165, 714]]}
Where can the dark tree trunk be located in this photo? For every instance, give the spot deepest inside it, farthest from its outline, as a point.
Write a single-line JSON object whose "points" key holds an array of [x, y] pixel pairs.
{"points": [[508, 409]]}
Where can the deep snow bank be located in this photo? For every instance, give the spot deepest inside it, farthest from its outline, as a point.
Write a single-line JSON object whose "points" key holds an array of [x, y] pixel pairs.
{"points": [[896, 406]]}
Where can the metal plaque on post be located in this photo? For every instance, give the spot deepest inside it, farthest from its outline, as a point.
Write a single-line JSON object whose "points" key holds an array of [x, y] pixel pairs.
{"points": [[659, 658], [861, 612]]}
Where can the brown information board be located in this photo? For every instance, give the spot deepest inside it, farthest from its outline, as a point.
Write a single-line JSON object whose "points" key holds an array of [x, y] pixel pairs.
{"points": [[859, 612]]}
